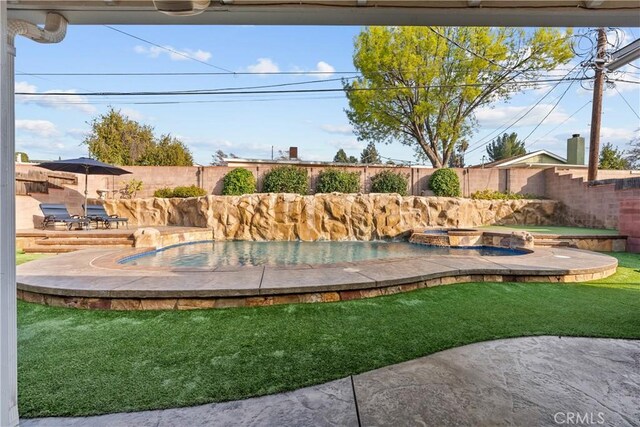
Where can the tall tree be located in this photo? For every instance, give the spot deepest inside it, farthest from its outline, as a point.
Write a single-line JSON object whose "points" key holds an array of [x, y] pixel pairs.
{"points": [[505, 146], [218, 158], [421, 85], [353, 159], [341, 157], [370, 154], [612, 158], [116, 139], [168, 151], [633, 155], [457, 159]]}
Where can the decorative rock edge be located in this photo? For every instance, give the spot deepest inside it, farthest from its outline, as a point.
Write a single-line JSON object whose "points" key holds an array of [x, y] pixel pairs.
{"points": [[128, 304]]}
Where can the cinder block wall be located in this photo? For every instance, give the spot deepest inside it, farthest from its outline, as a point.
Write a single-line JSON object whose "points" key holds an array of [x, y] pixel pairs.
{"points": [[587, 206]]}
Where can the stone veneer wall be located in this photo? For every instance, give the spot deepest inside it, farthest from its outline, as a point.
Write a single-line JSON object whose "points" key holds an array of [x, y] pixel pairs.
{"points": [[328, 216]]}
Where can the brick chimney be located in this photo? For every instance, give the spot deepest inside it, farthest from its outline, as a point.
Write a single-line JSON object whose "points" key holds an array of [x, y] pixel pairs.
{"points": [[575, 150], [293, 153]]}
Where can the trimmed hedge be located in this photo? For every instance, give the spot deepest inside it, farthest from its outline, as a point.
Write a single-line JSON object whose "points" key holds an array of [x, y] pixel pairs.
{"points": [[445, 183], [389, 182], [333, 180], [180, 192], [238, 182], [286, 179]]}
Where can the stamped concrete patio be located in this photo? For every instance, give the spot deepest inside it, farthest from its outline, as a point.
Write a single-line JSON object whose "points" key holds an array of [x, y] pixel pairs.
{"points": [[524, 381], [92, 278]]}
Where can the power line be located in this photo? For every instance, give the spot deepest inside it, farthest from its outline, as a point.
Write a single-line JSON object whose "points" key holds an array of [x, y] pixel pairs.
{"points": [[244, 91], [627, 102], [548, 114], [476, 54], [169, 50], [563, 122], [161, 74], [483, 142]]}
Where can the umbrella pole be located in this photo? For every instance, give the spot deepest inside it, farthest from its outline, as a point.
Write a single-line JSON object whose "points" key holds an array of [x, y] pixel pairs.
{"points": [[86, 193]]}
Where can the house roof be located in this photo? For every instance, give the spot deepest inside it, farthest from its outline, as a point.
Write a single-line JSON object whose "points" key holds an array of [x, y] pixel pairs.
{"points": [[510, 161]]}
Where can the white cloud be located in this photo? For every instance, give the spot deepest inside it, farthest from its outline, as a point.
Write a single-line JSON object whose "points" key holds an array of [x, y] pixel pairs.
{"points": [[499, 116], [325, 70], [133, 114], [173, 53], [346, 144], [68, 101], [338, 129], [41, 128], [616, 134], [264, 66]]}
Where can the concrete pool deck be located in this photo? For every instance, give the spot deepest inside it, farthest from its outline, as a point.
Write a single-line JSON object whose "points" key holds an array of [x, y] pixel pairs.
{"points": [[542, 381], [92, 278]]}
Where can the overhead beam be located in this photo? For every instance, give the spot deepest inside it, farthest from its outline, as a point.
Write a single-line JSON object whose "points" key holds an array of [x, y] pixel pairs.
{"points": [[374, 13]]}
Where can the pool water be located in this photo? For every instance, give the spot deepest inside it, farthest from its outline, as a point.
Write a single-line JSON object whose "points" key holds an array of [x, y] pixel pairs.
{"points": [[250, 253]]}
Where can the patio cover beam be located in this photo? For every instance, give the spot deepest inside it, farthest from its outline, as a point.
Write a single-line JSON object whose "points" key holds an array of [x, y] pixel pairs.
{"points": [[527, 13]]}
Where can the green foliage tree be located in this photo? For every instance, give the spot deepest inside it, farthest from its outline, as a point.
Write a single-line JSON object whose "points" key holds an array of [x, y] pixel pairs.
{"points": [[238, 182], [353, 159], [341, 157], [167, 151], [505, 146], [633, 155], [421, 89], [370, 154], [332, 180], [445, 183], [457, 158], [116, 139], [389, 182], [612, 158], [286, 179], [24, 157]]}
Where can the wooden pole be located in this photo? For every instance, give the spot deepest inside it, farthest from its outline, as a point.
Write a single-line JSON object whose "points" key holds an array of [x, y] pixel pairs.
{"points": [[596, 111]]}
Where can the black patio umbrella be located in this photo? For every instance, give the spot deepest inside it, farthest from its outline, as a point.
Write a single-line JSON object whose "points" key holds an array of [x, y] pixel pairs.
{"points": [[86, 166]]}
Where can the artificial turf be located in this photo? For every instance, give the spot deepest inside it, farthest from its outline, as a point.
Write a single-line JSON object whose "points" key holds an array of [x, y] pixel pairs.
{"points": [[552, 229], [83, 362]]}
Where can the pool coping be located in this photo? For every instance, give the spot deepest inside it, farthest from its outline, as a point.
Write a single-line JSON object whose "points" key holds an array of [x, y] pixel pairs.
{"points": [[91, 279]]}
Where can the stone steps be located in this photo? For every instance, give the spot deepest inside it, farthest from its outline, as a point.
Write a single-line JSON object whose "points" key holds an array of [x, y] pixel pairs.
{"points": [[86, 242]]}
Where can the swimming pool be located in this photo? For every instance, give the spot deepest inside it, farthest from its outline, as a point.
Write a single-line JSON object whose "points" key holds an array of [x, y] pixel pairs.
{"points": [[252, 253]]}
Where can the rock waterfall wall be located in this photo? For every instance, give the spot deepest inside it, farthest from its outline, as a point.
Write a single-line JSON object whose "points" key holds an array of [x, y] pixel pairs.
{"points": [[328, 216]]}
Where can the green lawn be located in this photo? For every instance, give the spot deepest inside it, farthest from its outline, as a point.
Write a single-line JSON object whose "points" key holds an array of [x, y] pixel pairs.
{"points": [[80, 362], [550, 229], [21, 257]]}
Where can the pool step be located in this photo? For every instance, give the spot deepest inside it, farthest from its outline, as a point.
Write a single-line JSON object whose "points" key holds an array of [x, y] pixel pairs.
{"points": [[54, 244], [86, 242]]}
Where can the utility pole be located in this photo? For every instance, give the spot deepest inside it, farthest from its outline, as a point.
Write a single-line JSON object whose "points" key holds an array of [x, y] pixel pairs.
{"points": [[596, 111]]}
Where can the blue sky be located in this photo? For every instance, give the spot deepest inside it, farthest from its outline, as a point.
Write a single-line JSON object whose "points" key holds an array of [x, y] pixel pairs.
{"points": [[249, 125]]}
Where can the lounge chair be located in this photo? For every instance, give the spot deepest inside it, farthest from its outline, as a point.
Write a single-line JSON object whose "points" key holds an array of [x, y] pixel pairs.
{"points": [[54, 213], [98, 214]]}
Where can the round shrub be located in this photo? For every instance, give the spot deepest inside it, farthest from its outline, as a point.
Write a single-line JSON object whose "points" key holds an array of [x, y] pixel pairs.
{"points": [[164, 193], [445, 183], [333, 180], [191, 191], [389, 182], [238, 182], [286, 179]]}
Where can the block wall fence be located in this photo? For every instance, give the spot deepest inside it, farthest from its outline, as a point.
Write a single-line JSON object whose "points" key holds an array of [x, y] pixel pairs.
{"points": [[598, 206]]}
